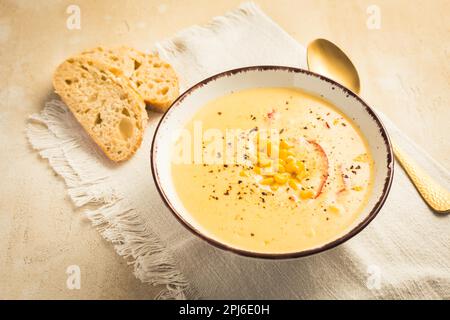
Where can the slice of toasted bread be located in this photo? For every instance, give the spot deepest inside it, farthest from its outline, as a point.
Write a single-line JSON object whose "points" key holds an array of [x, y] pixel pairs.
{"points": [[105, 104]]}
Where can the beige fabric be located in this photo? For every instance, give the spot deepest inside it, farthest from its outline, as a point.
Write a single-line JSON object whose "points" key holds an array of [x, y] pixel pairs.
{"points": [[403, 253]]}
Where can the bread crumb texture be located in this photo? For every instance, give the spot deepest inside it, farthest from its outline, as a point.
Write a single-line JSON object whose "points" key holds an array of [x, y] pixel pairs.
{"points": [[104, 102]]}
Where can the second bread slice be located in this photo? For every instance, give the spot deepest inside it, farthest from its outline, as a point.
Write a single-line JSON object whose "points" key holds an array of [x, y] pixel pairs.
{"points": [[154, 79], [104, 103]]}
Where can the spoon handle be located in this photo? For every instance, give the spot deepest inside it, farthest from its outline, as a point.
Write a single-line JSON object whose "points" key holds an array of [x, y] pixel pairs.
{"points": [[434, 195]]}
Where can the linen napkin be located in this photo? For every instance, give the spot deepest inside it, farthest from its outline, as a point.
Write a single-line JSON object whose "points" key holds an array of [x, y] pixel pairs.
{"points": [[403, 253]]}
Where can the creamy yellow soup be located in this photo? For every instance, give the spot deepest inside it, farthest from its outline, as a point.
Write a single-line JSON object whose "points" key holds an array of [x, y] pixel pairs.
{"points": [[272, 170]]}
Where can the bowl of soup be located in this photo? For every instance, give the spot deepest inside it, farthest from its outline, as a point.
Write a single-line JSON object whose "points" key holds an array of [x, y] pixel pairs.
{"points": [[272, 162]]}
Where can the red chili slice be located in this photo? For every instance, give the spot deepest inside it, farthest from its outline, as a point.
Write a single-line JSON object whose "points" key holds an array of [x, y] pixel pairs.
{"points": [[316, 162]]}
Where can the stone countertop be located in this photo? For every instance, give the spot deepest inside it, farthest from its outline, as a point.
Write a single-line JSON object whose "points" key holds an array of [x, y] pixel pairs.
{"points": [[403, 65]]}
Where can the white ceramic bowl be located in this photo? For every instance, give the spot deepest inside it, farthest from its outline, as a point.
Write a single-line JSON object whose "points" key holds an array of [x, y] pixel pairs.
{"points": [[183, 109]]}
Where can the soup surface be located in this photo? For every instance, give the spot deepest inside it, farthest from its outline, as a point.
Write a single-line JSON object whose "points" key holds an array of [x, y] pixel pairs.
{"points": [[272, 170]]}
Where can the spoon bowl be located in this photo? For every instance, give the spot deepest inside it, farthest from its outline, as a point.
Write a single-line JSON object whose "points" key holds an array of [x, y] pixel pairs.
{"points": [[325, 58]]}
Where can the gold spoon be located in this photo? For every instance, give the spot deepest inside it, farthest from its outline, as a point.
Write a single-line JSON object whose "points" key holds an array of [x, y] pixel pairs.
{"points": [[325, 58]]}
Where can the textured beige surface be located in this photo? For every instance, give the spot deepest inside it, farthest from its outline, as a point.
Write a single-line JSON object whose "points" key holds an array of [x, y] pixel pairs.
{"points": [[404, 70]]}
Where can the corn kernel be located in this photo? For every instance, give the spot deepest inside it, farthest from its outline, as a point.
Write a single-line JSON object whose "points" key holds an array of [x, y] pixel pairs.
{"points": [[284, 145], [290, 159], [265, 163], [281, 162], [243, 173], [281, 168], [300, 165], [292, 168], [274, 187], [357, 188], [267, 181], [306, 194], [333, 209], [293, 184], [269, 147], [263, 160], [280, 178], [283, 154], [300, 176], [257, 169], [363, 157], [291, 153]]}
